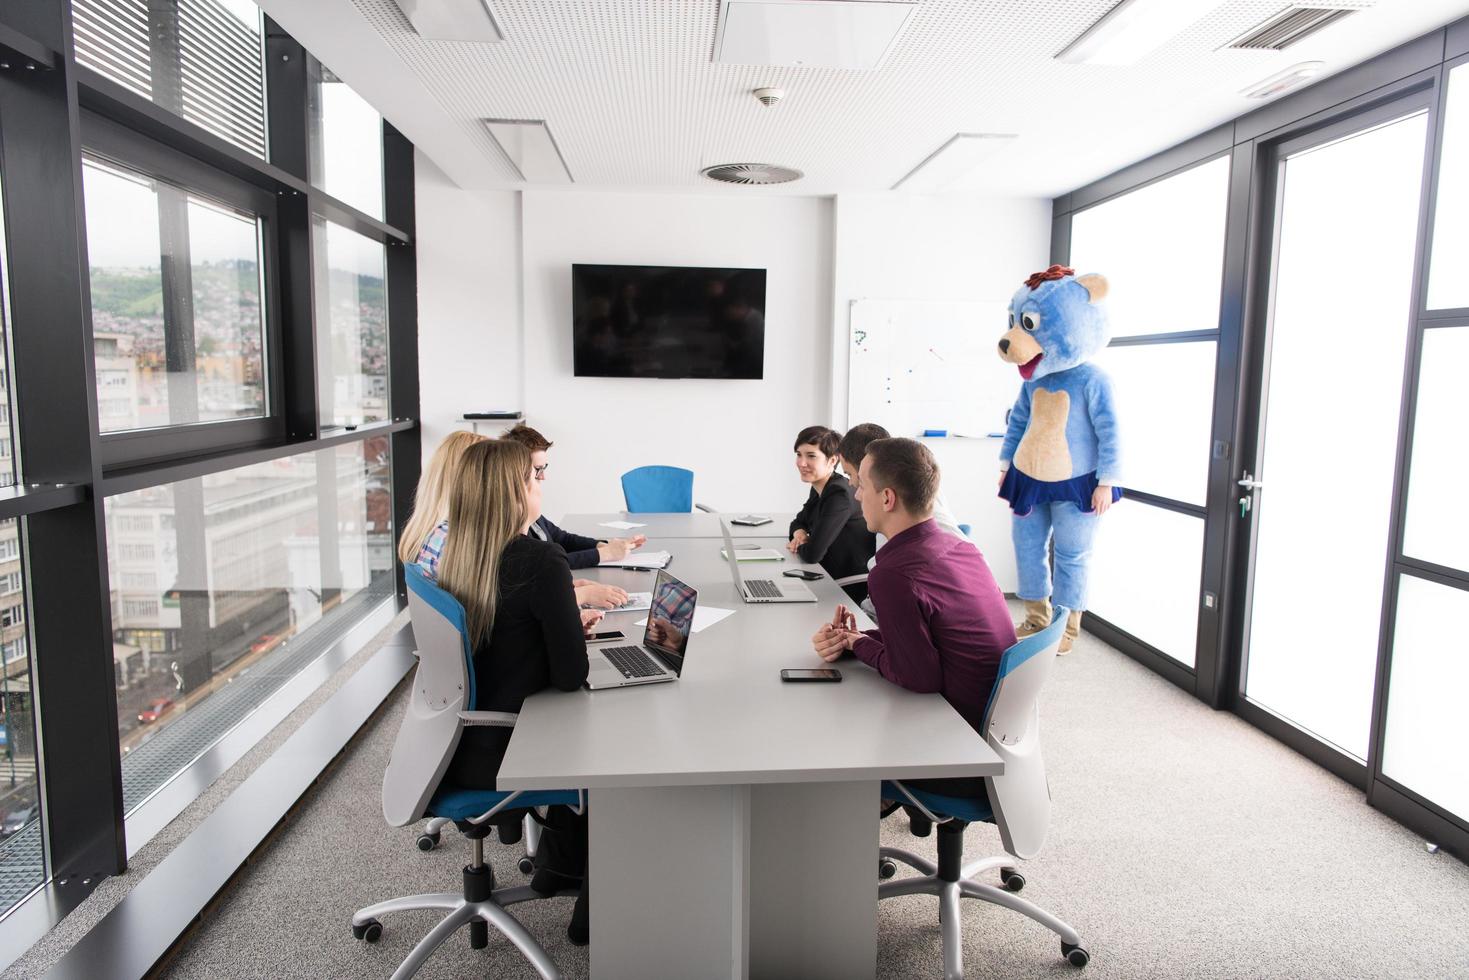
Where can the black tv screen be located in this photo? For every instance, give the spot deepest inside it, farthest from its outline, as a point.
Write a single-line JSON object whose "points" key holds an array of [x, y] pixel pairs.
{"points": [[639, 321]]}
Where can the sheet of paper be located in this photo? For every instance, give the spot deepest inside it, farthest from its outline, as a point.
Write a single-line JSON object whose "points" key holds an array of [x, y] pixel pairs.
{"points": [[636, 602], [703, 616], [621, 525], [640, 559]]}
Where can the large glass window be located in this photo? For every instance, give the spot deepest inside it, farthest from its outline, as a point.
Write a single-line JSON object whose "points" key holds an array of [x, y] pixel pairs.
{"points": [[1427, 727], [177, 303], [1436, 529], [351, 325], [1145, 575], [1448, 286], [226, 586], [202, 59], [1161, 248], [346, 142]]}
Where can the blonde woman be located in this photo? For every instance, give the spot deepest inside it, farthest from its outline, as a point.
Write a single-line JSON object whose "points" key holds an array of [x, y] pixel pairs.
{"points": [[528, 631], [431, 499]]}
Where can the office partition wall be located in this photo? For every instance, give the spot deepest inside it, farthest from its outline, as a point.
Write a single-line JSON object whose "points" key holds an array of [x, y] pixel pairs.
{"points": [[206, 447], [1321, 497]]}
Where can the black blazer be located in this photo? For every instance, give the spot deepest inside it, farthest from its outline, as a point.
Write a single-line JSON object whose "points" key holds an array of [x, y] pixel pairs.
{"points": [[536, 642], [838, 537], [581, 551]]}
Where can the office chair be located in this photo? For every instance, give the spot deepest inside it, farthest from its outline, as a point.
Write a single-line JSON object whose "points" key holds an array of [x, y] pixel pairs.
{"points": [[658, 490], [1019, 803], [964, 529], [413, 787]]}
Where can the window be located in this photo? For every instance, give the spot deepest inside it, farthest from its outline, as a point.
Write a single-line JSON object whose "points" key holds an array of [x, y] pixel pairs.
{"points": [[22, 860], [9, 468], [352, 326], [1435, 474], [346, 142], [1163, 374], [201, 59], [177, 303], [1448, 287], [252, 557]]}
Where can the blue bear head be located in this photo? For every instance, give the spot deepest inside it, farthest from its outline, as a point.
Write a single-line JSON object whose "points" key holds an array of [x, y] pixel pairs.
{"points": [[1056, 322]]}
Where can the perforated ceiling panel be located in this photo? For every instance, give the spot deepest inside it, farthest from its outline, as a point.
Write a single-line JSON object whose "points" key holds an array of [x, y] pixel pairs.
{"points": [[631, 92]]}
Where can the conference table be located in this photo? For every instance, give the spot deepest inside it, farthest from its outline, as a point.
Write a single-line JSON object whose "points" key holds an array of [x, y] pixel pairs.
{"points": [[734, 817]]}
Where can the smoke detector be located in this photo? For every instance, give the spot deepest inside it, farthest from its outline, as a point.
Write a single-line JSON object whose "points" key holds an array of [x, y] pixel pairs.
{"points": [[751, 173], [770, 96]]}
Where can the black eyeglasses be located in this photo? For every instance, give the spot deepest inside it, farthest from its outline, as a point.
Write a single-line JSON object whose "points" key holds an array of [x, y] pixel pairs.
{"points": [[540, 471]]}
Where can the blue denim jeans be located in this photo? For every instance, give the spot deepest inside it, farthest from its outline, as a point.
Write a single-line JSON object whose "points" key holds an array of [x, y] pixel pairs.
{"points": [[1073, 531]]}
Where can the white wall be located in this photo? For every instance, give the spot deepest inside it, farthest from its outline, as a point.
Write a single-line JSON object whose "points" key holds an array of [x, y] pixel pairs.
{"points": [[495, 327], [892, 246], [735, 435], [468, 300]]}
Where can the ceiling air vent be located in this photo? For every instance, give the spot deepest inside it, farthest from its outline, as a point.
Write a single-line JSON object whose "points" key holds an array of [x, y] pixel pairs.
{"points": [[1289, 26], [751, 173]]}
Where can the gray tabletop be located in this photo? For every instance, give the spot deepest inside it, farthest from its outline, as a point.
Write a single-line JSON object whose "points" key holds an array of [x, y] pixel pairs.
{"points": [[730, 719], [696, 525]]}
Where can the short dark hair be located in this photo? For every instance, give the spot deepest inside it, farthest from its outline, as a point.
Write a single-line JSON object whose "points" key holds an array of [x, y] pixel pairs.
{"points": [[855, 442], [819, 436], [907, 468], [528, 437]]}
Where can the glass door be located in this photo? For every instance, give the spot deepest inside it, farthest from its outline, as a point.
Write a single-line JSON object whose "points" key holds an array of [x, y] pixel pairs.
{"points": [[1317, 487]]}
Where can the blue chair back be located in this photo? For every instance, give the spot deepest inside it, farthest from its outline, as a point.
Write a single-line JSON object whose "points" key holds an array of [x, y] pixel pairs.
{"points": [[1021, 797], [443, 686], [658, 490], [964, 529]]}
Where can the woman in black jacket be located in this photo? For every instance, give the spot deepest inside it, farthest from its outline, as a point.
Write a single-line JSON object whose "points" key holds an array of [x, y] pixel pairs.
{"points": [[519, 601], [829, 530]]}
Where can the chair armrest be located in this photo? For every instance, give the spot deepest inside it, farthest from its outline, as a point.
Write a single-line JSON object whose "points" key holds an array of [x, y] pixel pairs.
{"points": [[705, 508], [488, 719], [852, 579]]}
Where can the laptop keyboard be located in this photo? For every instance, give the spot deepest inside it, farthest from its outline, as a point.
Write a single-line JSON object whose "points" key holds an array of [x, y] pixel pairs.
{"points": [[633, 662], [763, 588]]}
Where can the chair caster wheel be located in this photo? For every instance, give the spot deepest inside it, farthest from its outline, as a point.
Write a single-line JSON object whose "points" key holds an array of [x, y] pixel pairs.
{"points": [[886, 868], [369, 932], [1075, 955], [1012, 880], [527, 865], [427, 842]]}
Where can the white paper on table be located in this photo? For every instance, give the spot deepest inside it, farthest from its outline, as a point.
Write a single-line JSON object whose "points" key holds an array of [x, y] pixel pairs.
{"points": [[639, 559], [703, 616], [620, 525]]}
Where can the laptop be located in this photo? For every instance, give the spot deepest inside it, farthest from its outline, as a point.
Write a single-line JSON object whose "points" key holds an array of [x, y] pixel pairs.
{"points": [[665, 640], [762, 589]]}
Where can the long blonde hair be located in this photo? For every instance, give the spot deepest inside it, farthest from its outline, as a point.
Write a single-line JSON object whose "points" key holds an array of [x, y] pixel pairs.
{"points": [[431, 499], [488, 508]]}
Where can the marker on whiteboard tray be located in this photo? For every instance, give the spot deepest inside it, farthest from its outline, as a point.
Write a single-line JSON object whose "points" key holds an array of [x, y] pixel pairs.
{"points": [[935, 433]]}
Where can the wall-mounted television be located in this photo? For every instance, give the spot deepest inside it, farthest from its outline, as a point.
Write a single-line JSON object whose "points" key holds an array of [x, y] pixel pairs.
{"points": [[641, 321]]}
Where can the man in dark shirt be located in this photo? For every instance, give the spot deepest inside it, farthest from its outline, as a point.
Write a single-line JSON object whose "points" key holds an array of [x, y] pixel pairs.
{"points": [[944, 620]]}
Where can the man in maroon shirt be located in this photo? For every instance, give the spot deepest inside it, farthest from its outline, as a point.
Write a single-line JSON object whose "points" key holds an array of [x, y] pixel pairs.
{"points": [[944, 620]]}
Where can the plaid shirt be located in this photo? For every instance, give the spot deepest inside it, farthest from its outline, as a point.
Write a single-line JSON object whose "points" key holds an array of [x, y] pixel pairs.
{"points": [[433, 550], [675, 604]]}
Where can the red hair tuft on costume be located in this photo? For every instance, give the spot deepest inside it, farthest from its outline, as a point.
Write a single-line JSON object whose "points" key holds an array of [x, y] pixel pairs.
{"points": [[1054, 272]]}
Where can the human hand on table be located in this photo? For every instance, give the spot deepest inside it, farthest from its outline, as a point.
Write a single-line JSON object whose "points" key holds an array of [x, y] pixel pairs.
{"points": [[597, 595], [589, 619], [619, 548], [797, 539]]}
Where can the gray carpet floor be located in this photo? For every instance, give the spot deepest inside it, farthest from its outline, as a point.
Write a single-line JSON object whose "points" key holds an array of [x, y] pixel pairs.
{"points": [[1184, 844]]}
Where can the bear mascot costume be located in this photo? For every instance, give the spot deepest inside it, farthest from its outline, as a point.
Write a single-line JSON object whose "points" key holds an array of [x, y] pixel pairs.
{"points": [[1059, 461]]}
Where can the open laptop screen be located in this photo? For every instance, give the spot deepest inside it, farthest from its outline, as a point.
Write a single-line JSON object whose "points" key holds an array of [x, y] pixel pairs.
{"points": [[670, 620]]}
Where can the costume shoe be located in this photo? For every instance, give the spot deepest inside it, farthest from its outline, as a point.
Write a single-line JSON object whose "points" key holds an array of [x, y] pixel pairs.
{"points": [[1037, 617], [1073, 629]]}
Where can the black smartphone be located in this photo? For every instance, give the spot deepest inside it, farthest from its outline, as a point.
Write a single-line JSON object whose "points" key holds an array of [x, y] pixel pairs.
{"points": [[810, 674], [801, 573], [605, 636]]}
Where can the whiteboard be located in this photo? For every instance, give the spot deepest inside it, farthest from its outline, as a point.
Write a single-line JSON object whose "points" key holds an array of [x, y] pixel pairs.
{"points": [[929, 364]]}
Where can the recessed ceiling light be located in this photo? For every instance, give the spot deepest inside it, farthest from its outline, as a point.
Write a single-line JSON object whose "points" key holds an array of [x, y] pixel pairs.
{"points": [[808, 33], [1279, 82], [951, 166], [1132, 29], [452, 20], [530, 147]]}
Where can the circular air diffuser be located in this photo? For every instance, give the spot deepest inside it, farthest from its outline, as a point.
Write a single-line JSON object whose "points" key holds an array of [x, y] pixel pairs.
{"points": [[751, 173]]}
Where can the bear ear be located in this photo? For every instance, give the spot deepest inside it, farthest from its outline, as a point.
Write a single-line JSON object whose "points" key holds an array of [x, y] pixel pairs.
{"points": [[1096, 286]]}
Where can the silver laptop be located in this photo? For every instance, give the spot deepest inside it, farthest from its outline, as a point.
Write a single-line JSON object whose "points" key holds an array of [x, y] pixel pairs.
{"points": [[665, 640], [762, 589]]}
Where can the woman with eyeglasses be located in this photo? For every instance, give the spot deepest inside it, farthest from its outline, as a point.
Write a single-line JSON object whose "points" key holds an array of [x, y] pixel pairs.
{"points": [[528, 632]]}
